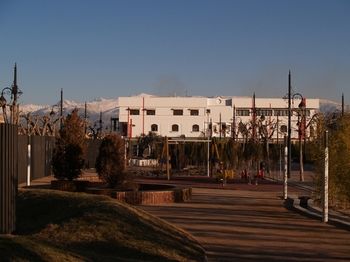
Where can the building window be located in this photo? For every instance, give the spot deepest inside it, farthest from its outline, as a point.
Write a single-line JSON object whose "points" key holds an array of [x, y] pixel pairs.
{"points": [[134, 112], [178, 112], [194, 112], [175, 128], [242, 112], [195, 128], [207, 111], [154, 128], [281, 112], [150, 112], [283, 128], [264, 112]]}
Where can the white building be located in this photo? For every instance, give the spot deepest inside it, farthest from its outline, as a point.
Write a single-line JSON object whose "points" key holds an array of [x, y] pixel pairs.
{"points": [[194, 117]]}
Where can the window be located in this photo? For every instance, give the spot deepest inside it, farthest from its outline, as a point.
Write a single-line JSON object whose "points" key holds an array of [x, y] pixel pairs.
{"points": [[154, 128], [195, 128], [134, 111], [281, 112], [264, 112], [175, 128], [178, 112], [242, 112], [283, 128], [194, 112], [150, 112], [208, 111]]}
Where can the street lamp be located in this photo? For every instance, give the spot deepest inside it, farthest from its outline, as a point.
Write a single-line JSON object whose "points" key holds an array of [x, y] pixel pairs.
{"points": [[15, 92], [289, 144], [301, 134]]}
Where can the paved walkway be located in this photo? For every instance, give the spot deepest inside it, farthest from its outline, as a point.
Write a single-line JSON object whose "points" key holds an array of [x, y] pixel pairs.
{"points": [[253, 225], [241, 222]]}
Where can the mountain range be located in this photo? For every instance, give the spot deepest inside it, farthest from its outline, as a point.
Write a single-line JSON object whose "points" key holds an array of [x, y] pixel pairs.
{"points": [[108, 108]]}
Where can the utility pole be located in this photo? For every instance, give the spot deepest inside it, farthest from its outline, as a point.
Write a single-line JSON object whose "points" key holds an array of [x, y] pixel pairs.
{"points": [[14, 93], [85, 117], [220, 125], [167, 157], [254, 118], [342, 104], [61, 109], [289, 144], [234, 124], [100, 122]]}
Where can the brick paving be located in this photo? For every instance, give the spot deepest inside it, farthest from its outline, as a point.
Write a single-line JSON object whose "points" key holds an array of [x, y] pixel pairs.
{"points": [[253, 225]]}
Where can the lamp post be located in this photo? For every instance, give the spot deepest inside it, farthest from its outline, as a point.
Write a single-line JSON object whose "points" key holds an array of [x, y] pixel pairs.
{"points": [[289, 144], [15, 92], [301, 135], [289, 137], [52, 120]]}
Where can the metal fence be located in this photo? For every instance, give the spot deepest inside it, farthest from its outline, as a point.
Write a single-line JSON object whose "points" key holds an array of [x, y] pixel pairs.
{"points": [[22, 159], [41, 150], [8, 177], [38, 155]]}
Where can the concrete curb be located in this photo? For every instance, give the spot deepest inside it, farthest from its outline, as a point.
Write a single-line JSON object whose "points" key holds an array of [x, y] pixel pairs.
{"points": [[309, 210]]}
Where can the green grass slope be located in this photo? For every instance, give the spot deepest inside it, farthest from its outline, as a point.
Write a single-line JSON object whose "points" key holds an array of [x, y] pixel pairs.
{"points": [[61, 226]]}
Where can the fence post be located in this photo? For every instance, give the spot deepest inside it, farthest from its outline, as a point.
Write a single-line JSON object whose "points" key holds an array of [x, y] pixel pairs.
{"points": [[29, 159], [285, 177], [8, 177], [325, 189]]}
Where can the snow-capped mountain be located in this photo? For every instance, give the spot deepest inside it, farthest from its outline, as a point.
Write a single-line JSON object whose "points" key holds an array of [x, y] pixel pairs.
{"points": [[327, 106], [108, 108]]}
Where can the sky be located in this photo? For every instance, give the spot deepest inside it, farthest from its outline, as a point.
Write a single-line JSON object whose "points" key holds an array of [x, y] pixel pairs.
{"points": [[112, 48]]}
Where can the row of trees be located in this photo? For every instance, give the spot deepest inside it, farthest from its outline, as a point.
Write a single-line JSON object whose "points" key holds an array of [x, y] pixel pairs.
{"points": [[338, 126], [68, 155]]}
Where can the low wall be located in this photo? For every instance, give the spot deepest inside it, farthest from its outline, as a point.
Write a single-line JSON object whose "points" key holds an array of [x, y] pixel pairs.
{"points": [[154, 197], [159, 195], [143, 162]]}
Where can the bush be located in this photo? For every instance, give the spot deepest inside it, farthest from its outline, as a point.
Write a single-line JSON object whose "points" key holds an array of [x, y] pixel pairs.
{"points": [[339, 159], [68, 155], [110, 160]]}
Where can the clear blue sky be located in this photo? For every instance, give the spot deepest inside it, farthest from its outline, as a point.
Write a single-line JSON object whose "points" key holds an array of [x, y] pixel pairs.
{"points": [[117, 48]]}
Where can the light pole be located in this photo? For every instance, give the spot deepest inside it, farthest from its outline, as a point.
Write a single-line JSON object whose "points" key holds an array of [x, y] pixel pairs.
{"points": [[289, 144], [289, 136], [301, 135], [15, 92], [54, 121]]}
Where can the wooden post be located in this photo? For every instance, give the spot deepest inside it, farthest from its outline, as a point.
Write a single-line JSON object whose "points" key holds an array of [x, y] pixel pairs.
{"points": [[167, 157], [285, 177], [325, 190]]}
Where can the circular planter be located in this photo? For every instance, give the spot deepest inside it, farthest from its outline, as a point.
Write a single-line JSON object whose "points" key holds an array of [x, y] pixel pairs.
{"points": [[70, 185], [148, 194]]}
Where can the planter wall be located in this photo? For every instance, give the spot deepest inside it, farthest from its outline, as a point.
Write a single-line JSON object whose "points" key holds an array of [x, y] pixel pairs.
{"points": [[71, 186], [154, 197]]}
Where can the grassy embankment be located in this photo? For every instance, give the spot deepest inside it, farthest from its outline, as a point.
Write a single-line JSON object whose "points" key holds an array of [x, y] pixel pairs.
{"points": [[60, 226]]}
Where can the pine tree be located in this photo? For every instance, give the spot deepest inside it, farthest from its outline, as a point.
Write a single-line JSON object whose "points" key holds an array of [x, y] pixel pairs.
{"points": [[110, 160], [68, 155]]}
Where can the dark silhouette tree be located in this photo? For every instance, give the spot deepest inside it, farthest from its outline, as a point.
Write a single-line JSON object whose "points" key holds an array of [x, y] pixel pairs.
{"points": [[68, 155], [110, 160]]}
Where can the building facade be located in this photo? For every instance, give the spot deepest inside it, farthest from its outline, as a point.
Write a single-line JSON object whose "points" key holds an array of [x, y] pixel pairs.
{"points": [[201, 117]]}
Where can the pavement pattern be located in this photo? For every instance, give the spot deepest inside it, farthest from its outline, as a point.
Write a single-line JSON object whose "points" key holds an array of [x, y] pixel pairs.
{"points": [[253, 225]]}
